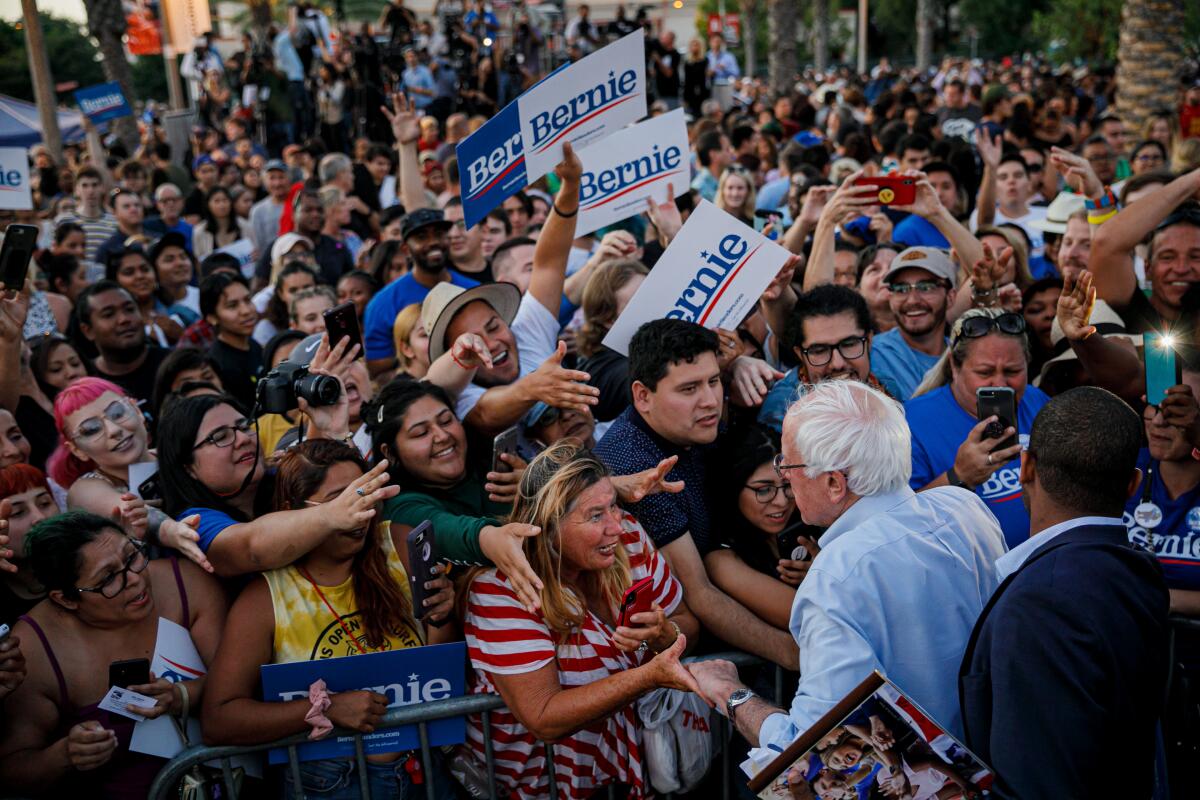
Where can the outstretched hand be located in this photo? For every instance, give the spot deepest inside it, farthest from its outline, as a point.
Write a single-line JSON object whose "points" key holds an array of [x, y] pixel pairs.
{"points": [[404, 118], [633, 488], [1075, 306]]}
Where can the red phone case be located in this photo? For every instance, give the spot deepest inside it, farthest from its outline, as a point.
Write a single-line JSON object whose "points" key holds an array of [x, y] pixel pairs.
{"points": [[637, 599], [893, 190]]}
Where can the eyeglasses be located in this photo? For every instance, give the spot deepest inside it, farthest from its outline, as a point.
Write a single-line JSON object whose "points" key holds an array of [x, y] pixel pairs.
{"points": [[922, 287], [781, 467], [1150, 158], [92, 428], [1007, 323], [225, 435], [115, 582], [851, 347], [765, 494]]}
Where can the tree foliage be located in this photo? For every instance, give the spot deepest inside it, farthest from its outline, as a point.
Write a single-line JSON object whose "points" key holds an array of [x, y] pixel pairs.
{"points": [[73, 56]]}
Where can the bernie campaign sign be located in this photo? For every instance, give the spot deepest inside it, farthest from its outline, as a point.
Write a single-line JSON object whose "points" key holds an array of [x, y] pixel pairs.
{"points": [[15, 191], [406, 677], [713, 273], [580, 103], [103, 102], [631, 166]]}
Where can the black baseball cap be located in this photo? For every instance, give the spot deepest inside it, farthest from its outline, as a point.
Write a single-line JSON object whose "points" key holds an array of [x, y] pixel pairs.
{"points": [[168, 239], [422, 218]]}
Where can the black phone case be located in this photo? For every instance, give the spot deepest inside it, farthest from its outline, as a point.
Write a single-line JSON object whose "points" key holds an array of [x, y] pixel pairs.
{"points": [[15, 254], [422, 557], [134, 672], [342, 321], [993, 405]]}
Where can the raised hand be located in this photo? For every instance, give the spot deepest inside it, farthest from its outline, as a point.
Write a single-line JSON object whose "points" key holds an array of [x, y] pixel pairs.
{"points": [[439, 604], [404, 119], [989, 149], [570, 169], [558, 386], [1075, 306], [355, 506], [183, 536], [751, 379], [131, 514], [632, 488], [504, 546], [1078, 172], [731, 348], [849, 201], [926, 202], [814, 205], [665, 217], [331, 421]]}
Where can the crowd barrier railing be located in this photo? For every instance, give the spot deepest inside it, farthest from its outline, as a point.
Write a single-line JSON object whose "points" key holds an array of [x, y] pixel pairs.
{"points": [[166, 783]]}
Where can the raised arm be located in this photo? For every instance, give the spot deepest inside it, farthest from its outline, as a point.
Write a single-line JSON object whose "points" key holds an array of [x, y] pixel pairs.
{"points": [[501, 406], [985, 202], [614, 245], [810, 215], [848, 201], [1111, 363], [554, 243], [14, 307], [405, 128]]}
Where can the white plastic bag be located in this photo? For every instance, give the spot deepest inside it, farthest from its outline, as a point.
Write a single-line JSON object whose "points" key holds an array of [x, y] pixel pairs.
{"points": [[678, 743]]}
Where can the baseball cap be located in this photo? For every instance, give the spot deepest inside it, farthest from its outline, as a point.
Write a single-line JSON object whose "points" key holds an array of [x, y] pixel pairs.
{"points": [[200, 160], [445, 300], [168, 239], [275, 164], [414, 221], [1058, 212], [303, 353], [931, 259]]}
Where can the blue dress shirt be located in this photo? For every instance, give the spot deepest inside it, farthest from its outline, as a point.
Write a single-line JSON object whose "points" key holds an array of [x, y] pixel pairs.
{"points": [[897, 587]]}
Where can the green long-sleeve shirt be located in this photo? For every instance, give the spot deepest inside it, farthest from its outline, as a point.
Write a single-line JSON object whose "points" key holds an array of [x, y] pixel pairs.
{"points": [[458, 515]]}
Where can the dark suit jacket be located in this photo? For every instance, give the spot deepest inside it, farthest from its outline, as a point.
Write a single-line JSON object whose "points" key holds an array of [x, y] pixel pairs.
{"points": [[1064, 676]]}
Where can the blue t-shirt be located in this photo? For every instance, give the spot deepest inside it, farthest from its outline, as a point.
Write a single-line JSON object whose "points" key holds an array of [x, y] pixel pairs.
{"points": [[1177, 537], [390, 301], [212, 522], [939, 425], [1040, 267], [898, 365], [916, 231]]}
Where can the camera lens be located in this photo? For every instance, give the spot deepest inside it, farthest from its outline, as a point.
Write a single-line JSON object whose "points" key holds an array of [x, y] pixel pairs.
{"points": [[318, 390]]}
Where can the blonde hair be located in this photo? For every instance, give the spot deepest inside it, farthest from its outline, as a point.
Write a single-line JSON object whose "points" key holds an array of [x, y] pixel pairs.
{"points": [[1185, 156], [548, 491], [941, 373], [599, 301], [746, 178], [308, 293], [1016, 241], [331, 197], [406, 322]]}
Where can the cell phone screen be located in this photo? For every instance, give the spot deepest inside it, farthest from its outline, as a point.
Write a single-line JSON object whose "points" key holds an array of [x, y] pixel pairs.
{"points": [[1162, 367]]}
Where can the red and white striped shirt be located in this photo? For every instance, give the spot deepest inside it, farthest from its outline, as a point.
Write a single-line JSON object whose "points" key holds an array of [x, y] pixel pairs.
{"points": [[504, 638]]}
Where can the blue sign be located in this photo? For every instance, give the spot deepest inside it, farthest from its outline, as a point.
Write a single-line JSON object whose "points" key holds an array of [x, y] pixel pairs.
{"points": [[491, 164], [103, 102], [406, 677]]}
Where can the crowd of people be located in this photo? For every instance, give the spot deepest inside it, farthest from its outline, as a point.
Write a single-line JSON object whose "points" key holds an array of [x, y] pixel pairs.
{"points": [[817, 487]]}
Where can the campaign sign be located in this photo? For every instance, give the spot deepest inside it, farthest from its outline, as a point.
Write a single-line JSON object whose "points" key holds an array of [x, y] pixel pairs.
{"points": [[491, 164], [15, 193], [712, 274], [406, 677], [593, 98], [103, 102], [633, 164]]}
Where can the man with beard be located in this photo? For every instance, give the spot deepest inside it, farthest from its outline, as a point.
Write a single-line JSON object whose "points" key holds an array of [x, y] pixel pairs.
{"points": [[109, 319], [520, 332], [424, 233], [333, 257], [921, 282]]}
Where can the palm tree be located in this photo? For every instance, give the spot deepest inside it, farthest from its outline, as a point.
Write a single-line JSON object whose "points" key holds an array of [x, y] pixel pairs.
{"points": [[781, 60], [106, 23], [1150, 57], [925, 23], [821, 34]]}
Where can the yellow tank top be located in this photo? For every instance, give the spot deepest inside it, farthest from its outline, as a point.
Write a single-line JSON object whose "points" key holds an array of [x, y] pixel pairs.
{"points": [[306, 630]]}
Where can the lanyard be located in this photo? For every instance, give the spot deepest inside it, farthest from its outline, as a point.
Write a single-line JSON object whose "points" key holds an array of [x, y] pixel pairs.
{"points": [[336, 615]]}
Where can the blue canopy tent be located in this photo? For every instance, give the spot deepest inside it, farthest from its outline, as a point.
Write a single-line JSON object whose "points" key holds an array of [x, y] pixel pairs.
{"points": [[20, 125]]}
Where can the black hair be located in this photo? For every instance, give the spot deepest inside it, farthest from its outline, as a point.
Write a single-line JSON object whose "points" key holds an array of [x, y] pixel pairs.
{"points": [[525, 202], [890, 135], [659, 343], [276, 311], [215, 262], [364, 276], [112, 266], [384, 418], [393, 213], [59, 269], [52, 547], [181, 359], [706, 143], [816, 156], [212, 287], [1037, 287], [65, 229], [508, 245], [741, 134], [377, 150], [942, 166], [277, 341], [791, 158], [1012, 156], [1142, 145], [868, 253], [1085, 443], [181, 490], [210, 221], [381, 259], [913, 141], [83, 303], [826, 300], [740, 453], [451, 167], [500, 216], [40, 350]]}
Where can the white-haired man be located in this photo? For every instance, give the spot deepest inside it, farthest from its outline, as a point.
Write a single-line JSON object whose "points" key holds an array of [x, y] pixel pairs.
{"points": [[900, 579]]}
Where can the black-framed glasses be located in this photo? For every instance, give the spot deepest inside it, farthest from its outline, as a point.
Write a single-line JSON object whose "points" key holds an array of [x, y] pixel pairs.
{"points": [[92, 428], [921, 287], [781, 468], [852, 347], [1007, 323], [765, 494], [225, 435], [114, 583]]}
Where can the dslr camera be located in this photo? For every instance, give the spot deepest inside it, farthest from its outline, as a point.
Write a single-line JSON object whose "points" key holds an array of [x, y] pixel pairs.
{"points": [[280, 390]]}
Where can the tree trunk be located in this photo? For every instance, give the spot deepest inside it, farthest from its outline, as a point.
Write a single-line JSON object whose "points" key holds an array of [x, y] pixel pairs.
{"points": [[925, 12], [106, 22], [1150, 57], [820, 38], [750, 36], [781, 60]]}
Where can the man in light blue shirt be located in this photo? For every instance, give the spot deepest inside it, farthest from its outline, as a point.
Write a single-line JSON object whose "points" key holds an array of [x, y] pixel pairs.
{"points": [[722, 64], [900, 579]]}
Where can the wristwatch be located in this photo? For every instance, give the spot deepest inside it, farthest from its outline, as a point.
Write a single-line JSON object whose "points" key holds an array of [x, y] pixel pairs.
{"points": [[953, 479], [738, 697]]}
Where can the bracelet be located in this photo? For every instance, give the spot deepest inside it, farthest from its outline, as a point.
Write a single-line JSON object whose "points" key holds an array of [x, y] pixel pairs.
{"points": [[559, 211], [1106, 200], [953, 479], [1101, 218], [981, 293], [678, 633], [185, 701], [454, 358]]}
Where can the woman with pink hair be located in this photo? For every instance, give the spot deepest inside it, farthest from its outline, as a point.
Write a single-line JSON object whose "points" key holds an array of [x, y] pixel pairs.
{"points": [[102, 436]]}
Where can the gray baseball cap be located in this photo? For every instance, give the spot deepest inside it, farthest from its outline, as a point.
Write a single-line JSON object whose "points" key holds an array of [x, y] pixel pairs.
{"points": [[931, 259]]}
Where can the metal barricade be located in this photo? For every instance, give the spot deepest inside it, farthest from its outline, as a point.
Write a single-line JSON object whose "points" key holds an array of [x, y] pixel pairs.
{"points": [[168, 778]]}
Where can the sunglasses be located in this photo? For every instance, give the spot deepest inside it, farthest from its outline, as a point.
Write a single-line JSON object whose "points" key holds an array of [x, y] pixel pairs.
{"points": [[1007, 323]]}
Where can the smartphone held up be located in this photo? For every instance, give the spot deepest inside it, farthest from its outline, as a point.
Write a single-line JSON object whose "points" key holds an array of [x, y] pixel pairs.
{"points": [[15, 254]]}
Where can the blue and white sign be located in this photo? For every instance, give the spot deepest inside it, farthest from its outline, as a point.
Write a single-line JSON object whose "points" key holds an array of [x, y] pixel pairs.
{"points": [[103, 102], [15, 192], [580, 103], [712, 274], [406, 677], [634, 164]]}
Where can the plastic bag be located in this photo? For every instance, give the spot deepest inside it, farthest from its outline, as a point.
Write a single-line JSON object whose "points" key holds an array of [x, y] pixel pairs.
{"points": [[678, 743]]}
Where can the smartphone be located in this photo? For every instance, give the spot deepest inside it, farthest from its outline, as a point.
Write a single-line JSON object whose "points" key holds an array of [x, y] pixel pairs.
{"points": [[4, 632], [638, 598], [342, 322], [134, 672], [19, 243], [505, 442], [788, 540], [1001, 402], [422, 558], [1163, 369], [894, 190]]}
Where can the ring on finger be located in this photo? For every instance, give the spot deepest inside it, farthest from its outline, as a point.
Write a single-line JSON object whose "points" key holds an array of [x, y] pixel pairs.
{"points": [[989, 459], [361, 492]]}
